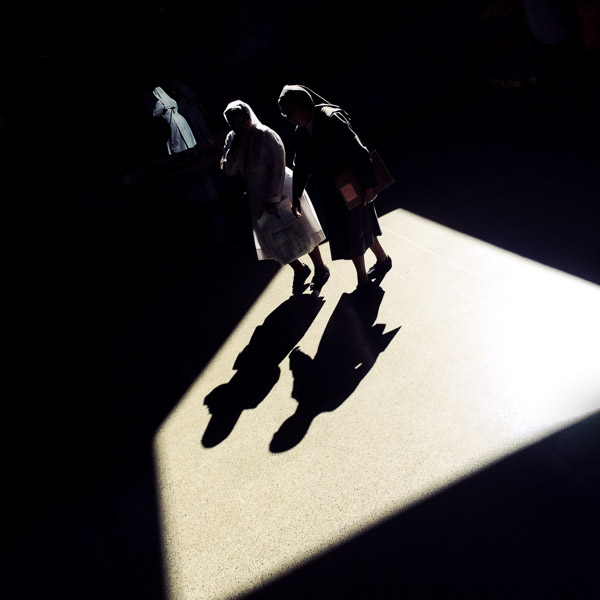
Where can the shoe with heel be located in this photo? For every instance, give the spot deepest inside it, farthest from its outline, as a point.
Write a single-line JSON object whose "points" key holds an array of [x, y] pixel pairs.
{"points": [[379, 269]]}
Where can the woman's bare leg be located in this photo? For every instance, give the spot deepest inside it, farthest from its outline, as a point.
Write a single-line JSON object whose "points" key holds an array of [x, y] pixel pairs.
{"points": [[361, 273], [317, 259], [297, 265], [378, 250], [321, 271], [383, 264]]}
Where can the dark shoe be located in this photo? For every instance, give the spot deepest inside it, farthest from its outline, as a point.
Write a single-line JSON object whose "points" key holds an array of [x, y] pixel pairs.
{"points": [[379, 269], [300, 277], [364, 292], [364, 288], [320, 279]]}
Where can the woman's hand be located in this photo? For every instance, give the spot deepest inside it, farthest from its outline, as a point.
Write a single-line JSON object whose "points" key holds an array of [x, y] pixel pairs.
{"points": [[296, 208], [236, 142], [370, 195]]}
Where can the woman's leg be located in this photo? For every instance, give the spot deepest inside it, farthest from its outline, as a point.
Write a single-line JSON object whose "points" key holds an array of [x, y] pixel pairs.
{"points": [[383, 264], [301, 273], [317, 259], [321, 271], [297, 265], [361, 274], [378, 250]]}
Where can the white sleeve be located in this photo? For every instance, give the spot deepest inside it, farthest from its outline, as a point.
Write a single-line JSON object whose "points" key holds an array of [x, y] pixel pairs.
{"points": [[274, 157], [159, 109], [229, 165]]}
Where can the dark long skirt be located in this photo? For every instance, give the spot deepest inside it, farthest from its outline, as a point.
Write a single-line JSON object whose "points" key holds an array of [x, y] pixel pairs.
{"points": [[349, 232]]}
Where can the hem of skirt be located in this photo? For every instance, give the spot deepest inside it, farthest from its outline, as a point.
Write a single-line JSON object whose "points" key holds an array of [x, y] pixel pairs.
{"points": [[314, 240]]}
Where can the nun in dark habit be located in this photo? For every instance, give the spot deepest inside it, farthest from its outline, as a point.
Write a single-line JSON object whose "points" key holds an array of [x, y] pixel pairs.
{"points": [[327, 146]]}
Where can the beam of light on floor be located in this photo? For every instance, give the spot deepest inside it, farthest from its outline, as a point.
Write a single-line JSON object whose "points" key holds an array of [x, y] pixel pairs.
{"points": [[490, 353]]}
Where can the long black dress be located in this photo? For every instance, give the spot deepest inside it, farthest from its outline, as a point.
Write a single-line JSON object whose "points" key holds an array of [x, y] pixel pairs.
{"points": [[324, 150]]}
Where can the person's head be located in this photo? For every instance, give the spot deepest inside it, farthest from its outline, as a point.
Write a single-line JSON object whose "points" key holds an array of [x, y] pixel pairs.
{"points": [[172, 90], [239, 118], [296, 105]]}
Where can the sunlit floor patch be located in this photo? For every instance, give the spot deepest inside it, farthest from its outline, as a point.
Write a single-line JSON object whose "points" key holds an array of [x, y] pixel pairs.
{"points": [[472, 354]]}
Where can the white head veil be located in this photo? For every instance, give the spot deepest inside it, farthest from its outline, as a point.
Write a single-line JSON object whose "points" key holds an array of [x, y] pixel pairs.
{"points": [[165, 105], [245, 108]]}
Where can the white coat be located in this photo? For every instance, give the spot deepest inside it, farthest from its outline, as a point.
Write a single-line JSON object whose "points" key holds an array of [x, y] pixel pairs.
{"points": [[261, 163]]}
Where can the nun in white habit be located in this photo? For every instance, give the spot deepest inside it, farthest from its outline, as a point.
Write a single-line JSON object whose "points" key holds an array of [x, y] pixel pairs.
{"points": [[180, 137], [257, 154]]}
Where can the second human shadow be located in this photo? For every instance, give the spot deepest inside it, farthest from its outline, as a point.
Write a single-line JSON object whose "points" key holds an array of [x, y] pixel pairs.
{"points": [[348, 350], [257, 365]]}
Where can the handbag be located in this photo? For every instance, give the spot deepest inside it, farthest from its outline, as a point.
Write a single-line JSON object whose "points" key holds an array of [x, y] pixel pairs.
{"points": [[350, 188]]}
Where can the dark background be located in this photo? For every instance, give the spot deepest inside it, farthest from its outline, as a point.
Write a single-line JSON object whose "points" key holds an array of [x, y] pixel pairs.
{"points": [[116, 296]]}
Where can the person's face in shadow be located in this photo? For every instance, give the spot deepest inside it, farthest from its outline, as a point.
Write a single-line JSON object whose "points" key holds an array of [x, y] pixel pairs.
{"points": [[240, 123], [295, 114]]}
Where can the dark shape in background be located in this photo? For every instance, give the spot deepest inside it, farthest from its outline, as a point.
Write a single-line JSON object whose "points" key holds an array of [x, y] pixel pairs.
{"points": [[257, 365], [350, 345]]}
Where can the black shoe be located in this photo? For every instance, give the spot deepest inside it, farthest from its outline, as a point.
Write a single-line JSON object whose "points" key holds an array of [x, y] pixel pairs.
{"points": [[379, 269], [364, 291], [300, 277], [320, 279]]}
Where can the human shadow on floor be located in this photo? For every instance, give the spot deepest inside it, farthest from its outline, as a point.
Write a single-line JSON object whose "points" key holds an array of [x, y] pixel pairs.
{"points": [[257, 365], [348, 350]]}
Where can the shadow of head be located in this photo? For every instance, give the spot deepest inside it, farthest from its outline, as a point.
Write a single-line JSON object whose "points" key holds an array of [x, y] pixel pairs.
{"points": [[291, 432]]}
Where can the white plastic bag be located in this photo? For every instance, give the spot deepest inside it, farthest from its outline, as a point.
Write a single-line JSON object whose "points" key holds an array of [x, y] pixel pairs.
{"points": [[284, 237], [287, 241]]}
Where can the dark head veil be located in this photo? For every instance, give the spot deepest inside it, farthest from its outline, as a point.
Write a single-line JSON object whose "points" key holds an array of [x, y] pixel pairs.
{"points": [[303, 97]]}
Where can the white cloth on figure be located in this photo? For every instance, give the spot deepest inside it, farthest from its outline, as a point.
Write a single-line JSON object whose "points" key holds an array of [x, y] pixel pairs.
{"points": [[307, 231], [261, 163], [180, 137]]}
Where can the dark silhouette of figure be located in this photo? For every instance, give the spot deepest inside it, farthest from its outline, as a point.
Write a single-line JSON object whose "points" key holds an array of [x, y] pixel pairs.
{"points": [[589, 13], [191, 109], [327, 146], [557, 44], [348, 350], [506, 38], [257, 365]]}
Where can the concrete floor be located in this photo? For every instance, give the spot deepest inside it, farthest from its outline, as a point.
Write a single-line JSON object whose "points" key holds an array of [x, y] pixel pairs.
{"points": [[300, 461], [465, 355], [436, 438]]}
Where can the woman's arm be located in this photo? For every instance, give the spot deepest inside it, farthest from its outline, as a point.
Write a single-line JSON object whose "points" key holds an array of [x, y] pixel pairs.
{"points": [[274, 157], [353, 152], [229, 164], [301, 172]]}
